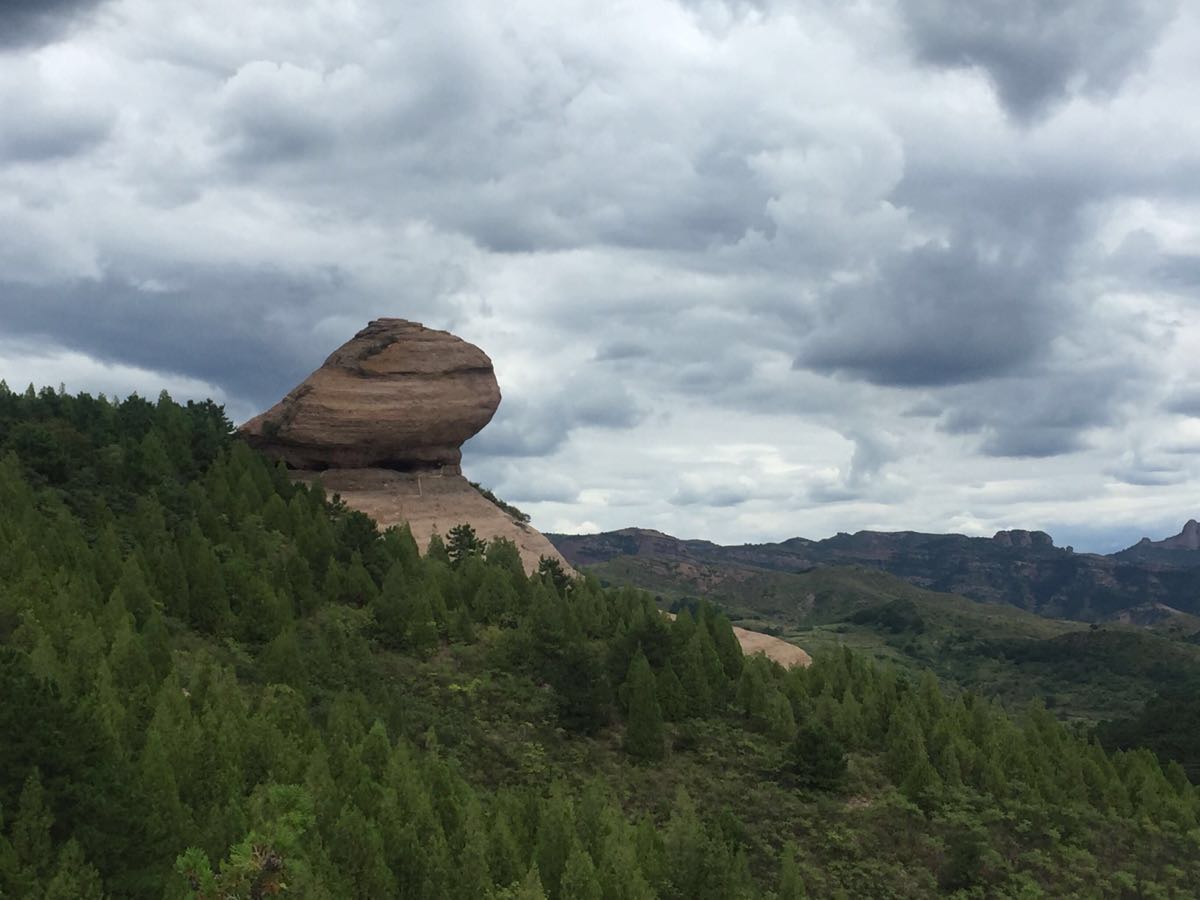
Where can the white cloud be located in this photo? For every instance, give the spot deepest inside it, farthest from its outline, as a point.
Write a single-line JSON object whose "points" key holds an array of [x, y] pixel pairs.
{"points": [[746, 270]]}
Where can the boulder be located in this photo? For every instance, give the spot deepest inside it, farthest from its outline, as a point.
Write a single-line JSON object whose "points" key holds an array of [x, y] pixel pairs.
{"points": [[396, 396]]}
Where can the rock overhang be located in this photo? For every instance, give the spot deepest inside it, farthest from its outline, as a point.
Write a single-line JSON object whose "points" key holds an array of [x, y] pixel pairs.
{"points": [[397, 396]]}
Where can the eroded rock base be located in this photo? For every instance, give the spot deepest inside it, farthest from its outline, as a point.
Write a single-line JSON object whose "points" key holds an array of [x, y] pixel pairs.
{"points": [[432, 501]]}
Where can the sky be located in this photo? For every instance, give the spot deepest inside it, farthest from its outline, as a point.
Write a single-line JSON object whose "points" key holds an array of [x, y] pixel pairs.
{"points": [[747, 269]]}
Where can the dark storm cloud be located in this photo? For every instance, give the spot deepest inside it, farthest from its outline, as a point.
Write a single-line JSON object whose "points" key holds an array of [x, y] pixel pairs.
{"points": [[1038, 52], [1043, 413], [25, 23], [935, 316], [222, 327]]}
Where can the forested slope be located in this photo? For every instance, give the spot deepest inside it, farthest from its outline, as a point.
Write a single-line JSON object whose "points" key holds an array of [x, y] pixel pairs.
{"points": [[217, 683]]}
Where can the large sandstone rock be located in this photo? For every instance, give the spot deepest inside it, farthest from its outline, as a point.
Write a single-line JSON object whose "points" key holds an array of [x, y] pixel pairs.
{"points": [[382, 422], [397, 395]]}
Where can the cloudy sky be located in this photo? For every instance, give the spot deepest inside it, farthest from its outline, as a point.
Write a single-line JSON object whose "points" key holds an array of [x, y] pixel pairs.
{"points": [[747, 269]]}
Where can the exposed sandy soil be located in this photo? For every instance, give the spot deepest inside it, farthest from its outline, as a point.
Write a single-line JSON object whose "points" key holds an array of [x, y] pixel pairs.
{"points": [[787, 655], [431, 502]]}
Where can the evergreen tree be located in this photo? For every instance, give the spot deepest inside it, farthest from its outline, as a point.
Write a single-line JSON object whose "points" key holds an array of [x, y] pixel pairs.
{"points": [[464, 544], [644, 727], [791, 884], [670, 694], [815, 758], [31, 829], [75, 878], [436, 551], [580, 880], [550, 570], [555, 840]]}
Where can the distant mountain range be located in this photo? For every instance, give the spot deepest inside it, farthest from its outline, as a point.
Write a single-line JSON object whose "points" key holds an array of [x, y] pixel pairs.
{"points": [[1146, 582]]}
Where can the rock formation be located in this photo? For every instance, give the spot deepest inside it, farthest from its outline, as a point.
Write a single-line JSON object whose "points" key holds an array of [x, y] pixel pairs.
{"points": [[382, 423], [1188, 539], [395, 396], [1019, 537]]}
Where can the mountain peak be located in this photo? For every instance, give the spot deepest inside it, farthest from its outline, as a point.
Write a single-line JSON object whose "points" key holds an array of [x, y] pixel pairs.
{"points": [[1187, 539]]}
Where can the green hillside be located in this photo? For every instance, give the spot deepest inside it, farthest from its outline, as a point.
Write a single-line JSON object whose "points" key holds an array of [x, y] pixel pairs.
{"points": [[216, 683], [1000, 651]]}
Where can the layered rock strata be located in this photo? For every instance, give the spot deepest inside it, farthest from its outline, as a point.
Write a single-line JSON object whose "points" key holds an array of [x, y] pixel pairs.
{"points": [[396, 396], [382, 423]]}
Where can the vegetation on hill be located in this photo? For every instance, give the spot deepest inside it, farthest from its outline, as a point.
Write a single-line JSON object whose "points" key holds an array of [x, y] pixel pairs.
{"points": [[219, 683], [1081, 672]]}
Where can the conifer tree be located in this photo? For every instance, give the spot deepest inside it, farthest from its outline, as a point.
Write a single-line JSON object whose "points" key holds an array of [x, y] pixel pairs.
{"points": [[505, 860], [357, 851], [75, 878], [791, 884], [671, 698], [436, 551], [464, 544], [31, 829], [530, 887], [555, 839], [644, 726], [580, 880], [816, 758]]}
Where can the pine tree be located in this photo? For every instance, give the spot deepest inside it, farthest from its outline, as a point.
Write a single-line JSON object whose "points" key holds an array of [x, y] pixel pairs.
{"points": [[464, 544], [505, 860], [357, 586], [729, 651], [31, 829], [644, 728], [472, 877], [530, 887], [436, 551], [791, 884], [555, 839], [816, 758], [357, 851], [580, 880], [75, 878], [687, 848], [670, 694]]}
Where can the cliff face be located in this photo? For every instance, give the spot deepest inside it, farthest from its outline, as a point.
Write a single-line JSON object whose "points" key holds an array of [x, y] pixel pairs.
{"points": [[382, 423], [1022, 568]]}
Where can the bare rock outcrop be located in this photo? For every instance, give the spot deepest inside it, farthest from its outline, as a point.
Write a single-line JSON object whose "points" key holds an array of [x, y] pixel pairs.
{"points": [[382, 423], [1188, 539], [396, 396], [1019, 537]]}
